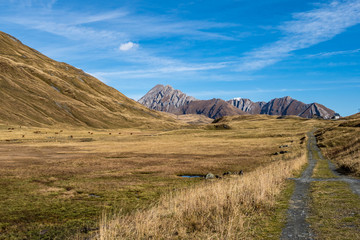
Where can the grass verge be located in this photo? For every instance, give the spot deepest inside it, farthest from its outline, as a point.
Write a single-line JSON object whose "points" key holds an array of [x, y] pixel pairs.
{"points": [[322, 169], [335, 211], [270, 224]]}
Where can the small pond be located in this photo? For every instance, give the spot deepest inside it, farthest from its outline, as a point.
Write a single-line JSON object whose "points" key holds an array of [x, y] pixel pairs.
{"points": [[191, 176]]}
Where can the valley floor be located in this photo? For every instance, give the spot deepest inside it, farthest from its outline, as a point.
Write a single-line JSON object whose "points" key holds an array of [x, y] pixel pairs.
{"points": [[61, 182]]}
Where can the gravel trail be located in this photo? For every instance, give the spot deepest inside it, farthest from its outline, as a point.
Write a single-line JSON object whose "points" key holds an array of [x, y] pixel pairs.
{"points": [[297, 227]]}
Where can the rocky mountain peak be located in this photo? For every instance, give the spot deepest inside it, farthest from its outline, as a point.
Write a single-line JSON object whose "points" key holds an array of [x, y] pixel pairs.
{"points": [[166, 99], [247, 105]]}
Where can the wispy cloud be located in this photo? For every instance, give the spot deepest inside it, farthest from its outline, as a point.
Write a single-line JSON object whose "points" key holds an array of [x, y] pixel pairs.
{"points": [[144, 73], [334, 53], [119, 27], [70, 25], [124, 24], [32, 3], [305, 30]]}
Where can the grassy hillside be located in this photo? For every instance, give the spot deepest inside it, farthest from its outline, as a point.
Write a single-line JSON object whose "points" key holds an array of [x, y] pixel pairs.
{"points": [[36, 90], [340, 142]]}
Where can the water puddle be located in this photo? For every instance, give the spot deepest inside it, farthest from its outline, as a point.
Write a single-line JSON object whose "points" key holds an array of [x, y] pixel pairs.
{"points": [[94, 195], [191, 176]]}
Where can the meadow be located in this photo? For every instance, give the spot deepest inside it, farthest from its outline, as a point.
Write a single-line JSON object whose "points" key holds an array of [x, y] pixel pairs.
{"points": [[60, 182]]}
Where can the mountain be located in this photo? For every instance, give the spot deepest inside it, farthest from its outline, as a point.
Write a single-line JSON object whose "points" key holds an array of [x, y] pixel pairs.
{"points": [[166, 99], [289, 106], [36, 90], [283, 106], [247, 105], [214, 108], [316, 109]]}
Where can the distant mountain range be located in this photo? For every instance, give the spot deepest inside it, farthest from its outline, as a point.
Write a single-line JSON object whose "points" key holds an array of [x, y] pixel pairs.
{"points": [[166, 98], [36, 90]]}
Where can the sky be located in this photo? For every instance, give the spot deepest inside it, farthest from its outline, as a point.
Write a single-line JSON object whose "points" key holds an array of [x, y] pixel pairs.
{"points": [[262, 49]]}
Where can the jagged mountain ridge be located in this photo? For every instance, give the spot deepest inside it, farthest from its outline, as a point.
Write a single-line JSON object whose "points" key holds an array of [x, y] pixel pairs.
{"points": [[286, 106], [247, 105], [36, 90], [168, 99], [160, 98]]}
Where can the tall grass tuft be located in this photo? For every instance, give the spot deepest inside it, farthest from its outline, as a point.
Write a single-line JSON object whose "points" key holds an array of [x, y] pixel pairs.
{"points": [[220, 209]]}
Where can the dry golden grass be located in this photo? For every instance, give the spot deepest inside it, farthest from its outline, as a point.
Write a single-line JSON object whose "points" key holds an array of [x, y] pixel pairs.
{"points": [[212, 210], [60, 180], [341, 143], [192, 118], [38, 91]]}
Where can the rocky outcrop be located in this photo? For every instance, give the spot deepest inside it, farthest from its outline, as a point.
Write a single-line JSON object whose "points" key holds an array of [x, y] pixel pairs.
{"points": [[166, 99]]}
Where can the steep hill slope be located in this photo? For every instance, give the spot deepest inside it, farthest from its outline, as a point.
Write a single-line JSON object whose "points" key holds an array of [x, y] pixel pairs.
{"points": [[36, 90]]}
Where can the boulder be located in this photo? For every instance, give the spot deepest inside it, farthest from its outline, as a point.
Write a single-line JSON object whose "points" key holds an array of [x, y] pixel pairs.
{"points": [[209, 176], [226, 173]]}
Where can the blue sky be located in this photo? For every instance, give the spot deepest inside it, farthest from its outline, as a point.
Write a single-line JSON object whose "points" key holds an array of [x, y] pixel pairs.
{"points": [[263, 49]]}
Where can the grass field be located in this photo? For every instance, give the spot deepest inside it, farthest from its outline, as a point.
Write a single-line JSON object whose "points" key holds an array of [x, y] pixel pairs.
{"points": [[340, 142], [56, 183]]}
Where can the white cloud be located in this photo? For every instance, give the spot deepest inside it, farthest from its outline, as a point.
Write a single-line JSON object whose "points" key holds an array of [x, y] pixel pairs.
{"points": [[128, 46], [305, 30]]}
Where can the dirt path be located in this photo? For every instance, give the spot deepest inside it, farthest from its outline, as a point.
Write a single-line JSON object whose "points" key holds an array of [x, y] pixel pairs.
{"points": [[297, 227]]}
